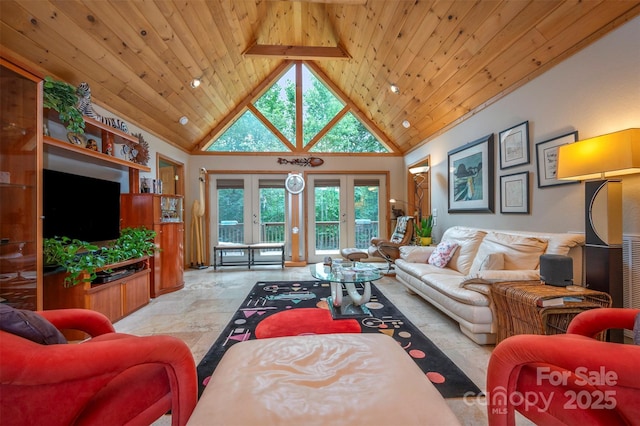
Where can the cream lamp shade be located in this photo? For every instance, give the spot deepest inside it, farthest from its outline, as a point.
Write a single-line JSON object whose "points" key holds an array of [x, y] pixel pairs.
{"points": [[419, 170], [613, 154]]}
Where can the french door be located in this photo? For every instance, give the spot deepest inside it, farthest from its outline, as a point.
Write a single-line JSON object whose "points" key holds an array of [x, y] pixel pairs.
{"points": [[343, 211], [248, 209]]}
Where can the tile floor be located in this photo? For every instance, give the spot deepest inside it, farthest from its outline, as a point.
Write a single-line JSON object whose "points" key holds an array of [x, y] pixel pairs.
{"points": [[198, 313]]}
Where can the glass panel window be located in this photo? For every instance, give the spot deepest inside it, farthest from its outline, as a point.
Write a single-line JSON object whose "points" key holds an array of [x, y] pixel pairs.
{"points": [[319, 105], [278, 105], [275, 128], [248, 134], [349, 135]]}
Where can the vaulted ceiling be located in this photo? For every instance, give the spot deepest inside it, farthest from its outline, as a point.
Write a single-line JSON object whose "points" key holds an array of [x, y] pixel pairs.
{"points": [[448, 58]]}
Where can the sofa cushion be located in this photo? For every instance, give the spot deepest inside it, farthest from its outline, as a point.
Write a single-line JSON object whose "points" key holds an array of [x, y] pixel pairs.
{"points": [[416, 254], [557, 243], [520, 252], [468, 240], [421, 269], [443, 253], [489, 276], [449, 285], [29, 325], [492, 262]]}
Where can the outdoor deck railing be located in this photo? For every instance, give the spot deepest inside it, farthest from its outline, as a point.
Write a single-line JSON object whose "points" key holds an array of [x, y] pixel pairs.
{"points": [[327, 233]]}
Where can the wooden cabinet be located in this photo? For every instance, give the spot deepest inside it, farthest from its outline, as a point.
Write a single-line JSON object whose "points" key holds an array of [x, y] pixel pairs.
{"points": [[163, 214], [115, 299], [20, 175], [29, 136]]}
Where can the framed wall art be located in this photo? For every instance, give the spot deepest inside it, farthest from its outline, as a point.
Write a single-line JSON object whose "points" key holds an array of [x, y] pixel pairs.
{"points": [[471, 177], [514, 193], [514, 146], [547, 158]]}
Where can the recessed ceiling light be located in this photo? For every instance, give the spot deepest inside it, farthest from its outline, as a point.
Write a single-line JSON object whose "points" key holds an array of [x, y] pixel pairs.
{"points": [[184, 120], [394, 88], [195, 83], [406, 124]]}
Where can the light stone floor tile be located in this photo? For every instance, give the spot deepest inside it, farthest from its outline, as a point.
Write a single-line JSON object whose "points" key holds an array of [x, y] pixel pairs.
{"points": [[198, 313]]}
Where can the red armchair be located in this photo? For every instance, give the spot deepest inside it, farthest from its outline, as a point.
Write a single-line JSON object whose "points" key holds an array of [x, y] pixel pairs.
{"points": [[112, 378], [568, 378]]}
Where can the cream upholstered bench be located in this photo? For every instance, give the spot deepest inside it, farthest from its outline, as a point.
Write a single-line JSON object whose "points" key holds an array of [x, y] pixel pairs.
{"points": [[336, 379]]}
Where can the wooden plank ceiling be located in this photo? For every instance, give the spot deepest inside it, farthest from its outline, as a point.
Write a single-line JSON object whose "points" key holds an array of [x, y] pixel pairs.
{"points": [[449, 58]]}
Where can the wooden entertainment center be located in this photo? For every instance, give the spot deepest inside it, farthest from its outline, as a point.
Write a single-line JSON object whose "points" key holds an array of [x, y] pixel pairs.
{"points": [[26, 144]]}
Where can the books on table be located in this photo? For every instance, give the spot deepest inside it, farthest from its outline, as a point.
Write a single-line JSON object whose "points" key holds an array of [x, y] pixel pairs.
{"points": [[557, 301]]}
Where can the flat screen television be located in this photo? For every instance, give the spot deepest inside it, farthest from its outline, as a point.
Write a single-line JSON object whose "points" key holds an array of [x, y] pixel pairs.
{"points": [[80, 207]]}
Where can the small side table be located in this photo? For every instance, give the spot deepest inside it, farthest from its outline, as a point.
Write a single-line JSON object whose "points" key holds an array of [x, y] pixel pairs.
{"points": [[517, 311]]}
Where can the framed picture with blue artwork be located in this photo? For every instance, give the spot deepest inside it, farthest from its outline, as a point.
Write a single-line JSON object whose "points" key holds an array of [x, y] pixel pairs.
{"points": [[471, 176]]}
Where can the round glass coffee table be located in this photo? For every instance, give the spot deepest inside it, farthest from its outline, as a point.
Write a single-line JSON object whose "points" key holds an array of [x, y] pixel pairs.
{"points": [[347, 278]]}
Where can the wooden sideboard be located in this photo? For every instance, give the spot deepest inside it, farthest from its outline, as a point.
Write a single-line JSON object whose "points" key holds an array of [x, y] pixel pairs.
{"points": [[115, 299]]}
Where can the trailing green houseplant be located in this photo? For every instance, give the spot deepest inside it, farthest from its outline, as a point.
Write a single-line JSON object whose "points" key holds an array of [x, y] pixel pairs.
{"points": [[61, 97], [82, 260]]}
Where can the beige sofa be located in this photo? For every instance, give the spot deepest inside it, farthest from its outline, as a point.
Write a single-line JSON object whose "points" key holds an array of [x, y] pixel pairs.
{"points": [[482, 256]]}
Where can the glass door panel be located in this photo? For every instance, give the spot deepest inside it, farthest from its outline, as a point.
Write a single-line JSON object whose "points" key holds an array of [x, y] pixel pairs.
{"points": [[248, 209], [344, 211], [366, 202], [327, 214], [269, 216], [230, 202]]}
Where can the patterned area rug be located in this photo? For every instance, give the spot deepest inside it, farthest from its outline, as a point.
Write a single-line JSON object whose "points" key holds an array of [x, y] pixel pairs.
{"points": [[289, 308]]}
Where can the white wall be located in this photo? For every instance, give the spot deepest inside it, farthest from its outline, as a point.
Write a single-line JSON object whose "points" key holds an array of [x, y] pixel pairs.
{"points": [[596, 91]]}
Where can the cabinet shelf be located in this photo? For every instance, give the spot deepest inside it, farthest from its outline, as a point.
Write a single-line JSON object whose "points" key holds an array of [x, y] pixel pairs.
{"points": [[83, 153], [97, 130]]}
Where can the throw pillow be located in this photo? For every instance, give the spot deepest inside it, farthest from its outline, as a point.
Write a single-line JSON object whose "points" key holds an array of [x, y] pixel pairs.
{"points": [[29, 325], [443, 253]]}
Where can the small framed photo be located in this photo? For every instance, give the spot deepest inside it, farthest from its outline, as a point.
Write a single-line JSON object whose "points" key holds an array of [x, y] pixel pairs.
{"points": [[514, 146], [514, 193], [547, 158], [77, 139], [471, 178]]}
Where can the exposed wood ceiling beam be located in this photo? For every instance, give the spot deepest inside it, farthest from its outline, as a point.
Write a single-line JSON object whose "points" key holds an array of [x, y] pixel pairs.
{"points": [[315, 53]]}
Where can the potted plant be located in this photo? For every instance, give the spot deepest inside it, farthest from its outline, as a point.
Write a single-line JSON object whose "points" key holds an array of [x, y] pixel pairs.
{"points": [[61, 97], [82, 260], [423, 230]]}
